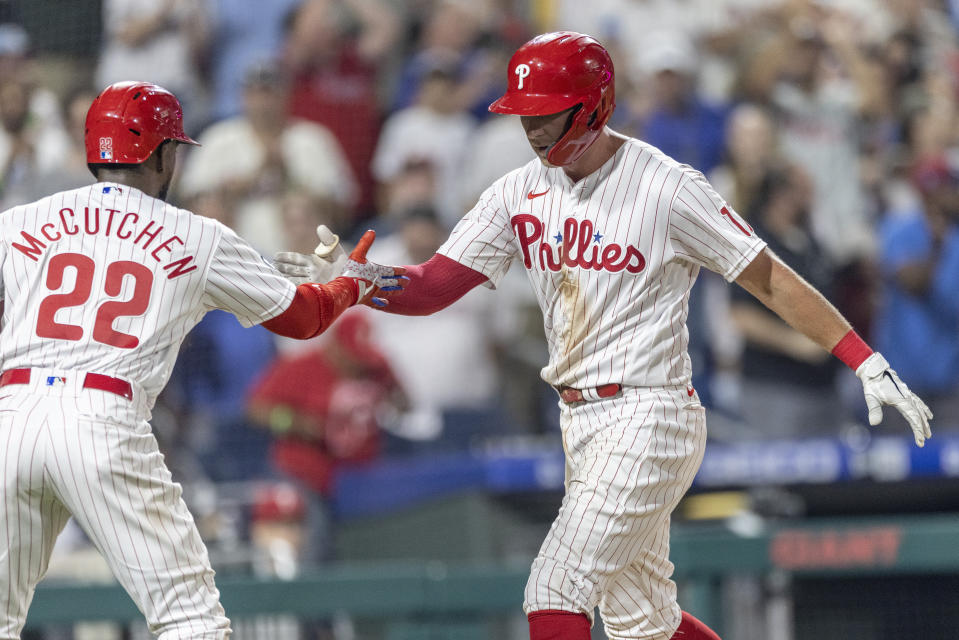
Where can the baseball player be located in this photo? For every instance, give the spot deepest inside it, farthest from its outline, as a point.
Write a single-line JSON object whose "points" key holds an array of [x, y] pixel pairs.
{"points": [[612, 234], [99, 286]]}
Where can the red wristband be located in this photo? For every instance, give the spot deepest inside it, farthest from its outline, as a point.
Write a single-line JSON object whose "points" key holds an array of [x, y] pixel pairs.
{"points": [[852, 350], [314, 308], [553, 624]]}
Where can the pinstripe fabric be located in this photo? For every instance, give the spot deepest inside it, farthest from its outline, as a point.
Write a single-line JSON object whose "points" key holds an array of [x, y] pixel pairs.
{"points": [[90, 454], [618, 323], [105, 279], [629, 461], [612, 259], [197, 264]]}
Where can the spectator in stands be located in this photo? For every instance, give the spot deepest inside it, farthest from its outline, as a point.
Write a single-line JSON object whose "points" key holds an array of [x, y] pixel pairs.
{"points": [[445, 363], [217, 366], [323, 408], [820, 112], [19, 65], [302, 212], [788, 381], [450, 38], [212, 204], [749, 157], [241, 33], [32, 136], [931, 126], [831, 103], [220, 360], [336, 50], [253, 159], [158, 40], [681, 122], [918, 320], [904, 69], [716, 28], [414, 186], [750, 153], [929, 24], [67, 172], [27, 145], [435, 130]]}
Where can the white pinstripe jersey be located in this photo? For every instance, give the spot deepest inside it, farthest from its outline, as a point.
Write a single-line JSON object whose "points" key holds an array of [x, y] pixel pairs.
{"points": [[107, 279], [611, 258]]}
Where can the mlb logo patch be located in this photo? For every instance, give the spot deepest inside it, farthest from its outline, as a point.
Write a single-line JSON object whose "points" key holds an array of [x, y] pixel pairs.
{"points": [[55, 380]]}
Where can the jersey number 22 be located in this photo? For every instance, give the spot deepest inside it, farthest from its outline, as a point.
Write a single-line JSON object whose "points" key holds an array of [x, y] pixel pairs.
{"points": [[103, 331]]}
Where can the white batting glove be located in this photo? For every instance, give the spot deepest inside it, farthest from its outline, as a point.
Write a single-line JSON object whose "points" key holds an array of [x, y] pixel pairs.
{"points": [[328, 260], [881, 385], [372, 278]]}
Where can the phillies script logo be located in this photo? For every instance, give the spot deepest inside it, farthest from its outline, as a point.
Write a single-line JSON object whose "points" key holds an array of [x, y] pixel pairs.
{"points": [[578, 245]]}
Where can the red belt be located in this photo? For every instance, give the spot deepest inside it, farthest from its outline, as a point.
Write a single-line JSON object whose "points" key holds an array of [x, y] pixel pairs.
{"points": [[90, 381], [570, 395]]}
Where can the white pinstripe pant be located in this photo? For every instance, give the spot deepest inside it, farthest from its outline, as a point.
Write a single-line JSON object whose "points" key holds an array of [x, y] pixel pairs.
{"points": [[629, 461], [91, 454]]}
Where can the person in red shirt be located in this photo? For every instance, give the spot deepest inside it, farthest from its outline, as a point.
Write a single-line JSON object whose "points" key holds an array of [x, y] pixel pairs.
{"points": [[324, 406], [335, 76]]}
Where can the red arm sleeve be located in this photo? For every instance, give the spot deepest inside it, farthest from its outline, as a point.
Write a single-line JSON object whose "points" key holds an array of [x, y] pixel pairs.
{"points": [[314, 308], [433, 285]]}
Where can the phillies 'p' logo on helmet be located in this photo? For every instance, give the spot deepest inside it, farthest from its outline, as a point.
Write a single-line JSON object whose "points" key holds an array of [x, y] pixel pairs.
{"points": [[129, 120], [521, 71], [554, 72]]}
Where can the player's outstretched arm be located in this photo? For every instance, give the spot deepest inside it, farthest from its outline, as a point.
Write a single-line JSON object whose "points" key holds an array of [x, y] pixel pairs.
{"points": [[433, 285], [315, 306], [778, 287], [426, 289]]}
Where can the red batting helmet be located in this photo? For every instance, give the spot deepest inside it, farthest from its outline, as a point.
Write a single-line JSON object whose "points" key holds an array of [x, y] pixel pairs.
{"points": [[556, 71], [129, 120]]}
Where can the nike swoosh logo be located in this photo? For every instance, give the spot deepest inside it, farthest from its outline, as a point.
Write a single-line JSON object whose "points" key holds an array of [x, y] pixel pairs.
{"points": [[886, 374], [531, 195]]}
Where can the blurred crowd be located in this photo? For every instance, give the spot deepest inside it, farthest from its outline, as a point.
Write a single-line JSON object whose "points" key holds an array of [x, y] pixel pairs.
{"points": [[831, 125]]}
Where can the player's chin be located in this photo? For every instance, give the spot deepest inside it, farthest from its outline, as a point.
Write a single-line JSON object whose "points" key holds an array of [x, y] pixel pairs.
{"points": [[545, 161], [543, 154], [540, 149]]}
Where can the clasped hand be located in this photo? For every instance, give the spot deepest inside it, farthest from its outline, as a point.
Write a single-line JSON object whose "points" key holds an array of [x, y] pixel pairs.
{"points": [[329, 260]]}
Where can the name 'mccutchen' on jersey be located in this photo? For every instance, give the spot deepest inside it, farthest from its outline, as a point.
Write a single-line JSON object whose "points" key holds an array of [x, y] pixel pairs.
{"points": [[97, 274]]}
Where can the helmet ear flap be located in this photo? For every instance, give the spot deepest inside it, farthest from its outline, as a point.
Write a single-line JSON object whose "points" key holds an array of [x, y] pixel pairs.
{"points": [[605, 107]]}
